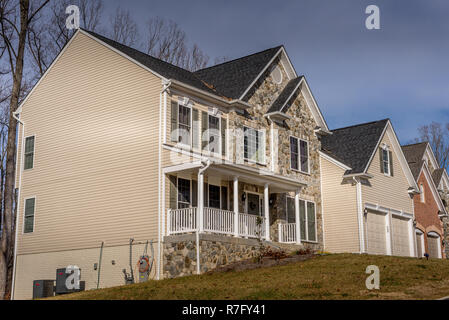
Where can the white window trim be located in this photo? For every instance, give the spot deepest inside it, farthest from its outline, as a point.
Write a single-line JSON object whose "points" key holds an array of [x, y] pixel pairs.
{"points": [[384, 147], [180, 144], [34, 152], [34, 215], [422, 196], [299, 155], [264, 162]]}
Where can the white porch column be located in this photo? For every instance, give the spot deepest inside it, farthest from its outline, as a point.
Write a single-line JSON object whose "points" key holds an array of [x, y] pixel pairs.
{"points": [[298, 229], [200, 201], [266, 202], [236, 206]]}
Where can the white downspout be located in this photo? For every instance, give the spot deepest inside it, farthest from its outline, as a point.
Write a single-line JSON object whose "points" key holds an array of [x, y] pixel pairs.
{"points": [[360, 214], [19, 170], [199, 214], [161, 215]]}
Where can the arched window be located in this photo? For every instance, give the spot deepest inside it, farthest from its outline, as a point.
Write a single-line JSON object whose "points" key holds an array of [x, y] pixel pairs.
{"points": [[422, 196]]}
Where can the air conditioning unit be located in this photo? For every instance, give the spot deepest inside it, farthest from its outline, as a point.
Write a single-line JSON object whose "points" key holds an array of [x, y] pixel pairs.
{"points": [[61, 278], [43, 289]]}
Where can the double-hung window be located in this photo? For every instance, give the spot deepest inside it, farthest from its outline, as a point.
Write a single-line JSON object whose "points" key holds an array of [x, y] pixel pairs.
{"points": [[386, 160], [214, 134], [185, 125], [28, 225], [254, 145], [29, 153], [299, 155]]}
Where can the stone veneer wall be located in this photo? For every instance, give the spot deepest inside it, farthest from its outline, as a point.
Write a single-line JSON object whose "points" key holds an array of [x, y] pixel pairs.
{"points": [[301, 125], [179, 252]]}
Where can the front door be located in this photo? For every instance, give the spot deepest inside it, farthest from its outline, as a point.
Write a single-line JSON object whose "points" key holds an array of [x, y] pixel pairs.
{"points": [[253, 204]]}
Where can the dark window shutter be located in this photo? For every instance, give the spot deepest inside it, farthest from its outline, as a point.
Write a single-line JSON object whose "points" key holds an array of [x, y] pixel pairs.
{"points": [[173, 192], [381, 160], [391, 163], [206, 195], [224, 198], [204, 125], [194, 193], [196, 129], [174, 121], [224, 126]]}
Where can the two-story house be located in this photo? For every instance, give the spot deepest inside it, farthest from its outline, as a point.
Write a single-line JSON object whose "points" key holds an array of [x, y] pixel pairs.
{"points": [[429, 207], [367, 191], [117, 145]]}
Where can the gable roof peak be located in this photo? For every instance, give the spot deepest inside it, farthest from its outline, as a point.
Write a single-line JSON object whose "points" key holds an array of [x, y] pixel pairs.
{"points": [[362, 124]]}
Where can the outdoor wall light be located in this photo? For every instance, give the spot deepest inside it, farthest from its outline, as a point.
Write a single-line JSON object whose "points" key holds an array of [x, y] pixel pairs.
{"points": [[244, 196]]}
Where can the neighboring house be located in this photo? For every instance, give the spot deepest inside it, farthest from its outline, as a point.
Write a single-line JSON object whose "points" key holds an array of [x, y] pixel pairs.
{"points": [[441, 180], [428, 205], [115, 144], [367, 190]]}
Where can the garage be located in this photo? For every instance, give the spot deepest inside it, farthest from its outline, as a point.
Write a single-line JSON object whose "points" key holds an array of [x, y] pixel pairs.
{"points": [[375, 233], [400, 236], [419, 244], [433, 243]]}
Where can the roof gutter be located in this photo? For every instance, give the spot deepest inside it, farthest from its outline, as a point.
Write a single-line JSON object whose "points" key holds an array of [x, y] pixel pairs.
{"points": [[358, 175]]}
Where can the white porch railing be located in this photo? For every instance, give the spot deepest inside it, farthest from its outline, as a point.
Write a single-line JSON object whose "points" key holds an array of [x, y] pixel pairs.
{"points": [[214, 221], [287, 232], [182, 220], [218, 221], [248, 226]]}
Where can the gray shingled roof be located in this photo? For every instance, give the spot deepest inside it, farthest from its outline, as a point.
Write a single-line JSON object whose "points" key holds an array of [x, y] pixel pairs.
{"points": [[354, 145], [232, 78], [414, 154], [436, 176], [282, 99], [163, 68]]}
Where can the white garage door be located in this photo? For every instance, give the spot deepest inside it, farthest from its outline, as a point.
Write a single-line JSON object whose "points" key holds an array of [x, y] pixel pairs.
{"points": [[419, 244], [376, 233], [434, 246], [400, 236]]}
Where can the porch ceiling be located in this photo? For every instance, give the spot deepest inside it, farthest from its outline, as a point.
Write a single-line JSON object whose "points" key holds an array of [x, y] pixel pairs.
{"points": [[227, 172]]}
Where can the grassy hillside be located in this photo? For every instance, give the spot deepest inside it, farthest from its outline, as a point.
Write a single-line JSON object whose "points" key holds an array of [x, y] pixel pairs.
{"points": [[324, 277]]}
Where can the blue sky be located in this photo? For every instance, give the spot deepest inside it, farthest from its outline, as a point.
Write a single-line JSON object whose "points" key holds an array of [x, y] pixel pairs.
{"points": [[357, 75]]}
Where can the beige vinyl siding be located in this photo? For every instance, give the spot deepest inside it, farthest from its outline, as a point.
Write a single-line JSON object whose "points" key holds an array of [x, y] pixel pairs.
{"points": [[43, 266], [389, 192], [96, 120], [341, 232]]}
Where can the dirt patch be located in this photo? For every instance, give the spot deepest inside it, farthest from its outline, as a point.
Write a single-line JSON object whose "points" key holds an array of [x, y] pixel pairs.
{"points": [[265, 262]]}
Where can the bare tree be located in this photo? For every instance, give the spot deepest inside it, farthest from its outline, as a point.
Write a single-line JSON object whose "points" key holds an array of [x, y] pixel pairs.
{"points": [[124, 29], [90, 19], [15, 18], [438, 137], [221, 59], [165, 40]]}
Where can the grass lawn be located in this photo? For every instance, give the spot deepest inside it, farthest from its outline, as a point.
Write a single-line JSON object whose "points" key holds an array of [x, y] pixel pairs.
{"points": [[339, 276]]}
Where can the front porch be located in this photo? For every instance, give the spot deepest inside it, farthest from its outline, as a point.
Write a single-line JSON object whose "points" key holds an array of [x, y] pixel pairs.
{"points": [[234, 201]]}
